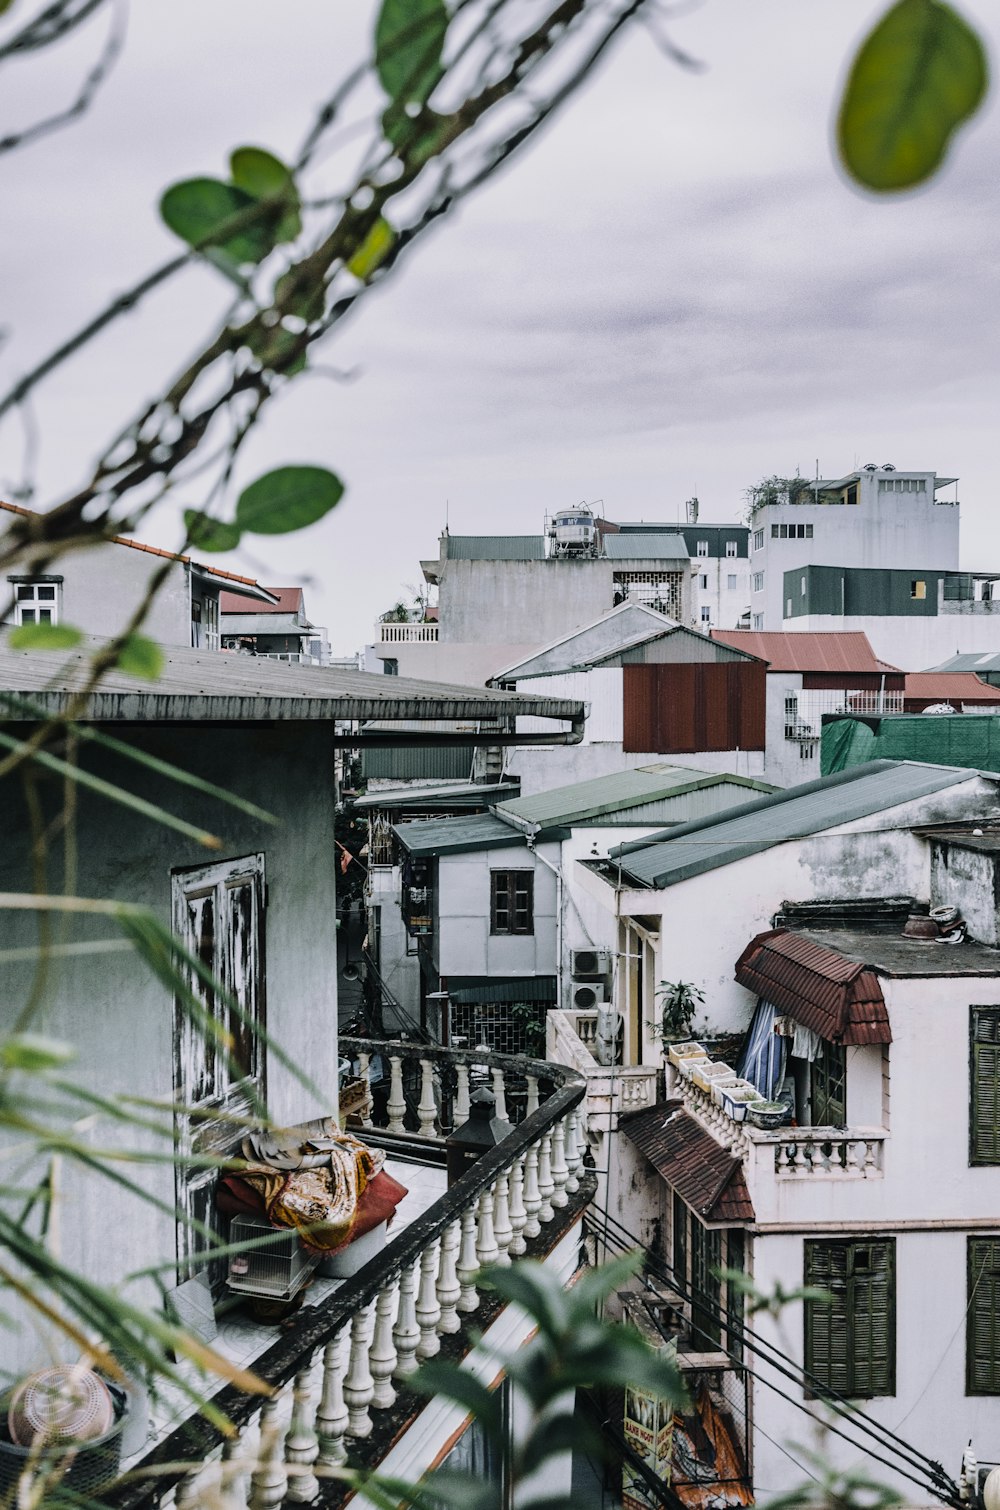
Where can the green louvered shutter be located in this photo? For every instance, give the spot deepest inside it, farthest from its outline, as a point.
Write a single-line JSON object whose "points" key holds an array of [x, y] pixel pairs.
{"points": [[982, 1341], [984, 1111], [826, 1324], [850, 1345]]}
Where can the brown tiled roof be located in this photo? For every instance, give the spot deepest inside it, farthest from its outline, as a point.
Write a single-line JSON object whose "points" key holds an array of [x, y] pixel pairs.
{"points": [[152, 550], [289, 601], [949, 687], [705, 1175], [836, 997], [827, 650]]}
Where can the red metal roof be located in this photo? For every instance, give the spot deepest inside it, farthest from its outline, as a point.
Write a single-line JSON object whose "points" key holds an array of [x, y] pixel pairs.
{"points": [[949, 687], [836, 997], [828, 651], [289, 601], [705, 1175], [154, 550]]}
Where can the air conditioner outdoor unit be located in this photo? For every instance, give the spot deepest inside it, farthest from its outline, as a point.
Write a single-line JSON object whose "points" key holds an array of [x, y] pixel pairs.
{"points": [[610, 1031], [587, 998], [589, 964]]}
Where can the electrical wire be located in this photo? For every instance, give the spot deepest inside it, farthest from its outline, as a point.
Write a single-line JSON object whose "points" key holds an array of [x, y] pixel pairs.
{"points": [[940, 1485]]}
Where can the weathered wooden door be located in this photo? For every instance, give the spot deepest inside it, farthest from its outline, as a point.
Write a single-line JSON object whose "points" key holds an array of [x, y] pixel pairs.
{"points": [[219, 1060]]}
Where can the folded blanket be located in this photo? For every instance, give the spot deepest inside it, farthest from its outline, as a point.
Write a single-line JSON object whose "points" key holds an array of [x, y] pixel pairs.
{"points": [[238, 1196]]}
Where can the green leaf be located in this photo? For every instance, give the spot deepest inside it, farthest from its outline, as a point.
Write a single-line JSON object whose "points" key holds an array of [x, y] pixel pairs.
{"points": [[202, 212], [373, 250], [44, 637], [141, 657], [5, 6], [288, 499], [32, 1052], [918, 75], [531, 1286], [207, 534], [454, 1383], [264, 176], [409, 38]]}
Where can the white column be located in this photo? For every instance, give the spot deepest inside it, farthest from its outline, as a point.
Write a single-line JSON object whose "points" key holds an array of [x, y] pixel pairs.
{"points": [[448, 1288], [468, 1263], [428, 1310], [462, 1106], [267, 1482], [382, 1354], [499, 1095], [574, 1151], [532, 1103], [396, 1105], [359, 1385], [407, 1333], [560, 1169], [487, 1251], [427, 1107], [502, 1229], [331, 1418], [545, 1182], [518, 1215], [532, 1197], [302, 1443]]}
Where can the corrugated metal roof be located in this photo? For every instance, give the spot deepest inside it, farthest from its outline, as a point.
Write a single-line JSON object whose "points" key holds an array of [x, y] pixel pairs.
{"points": [[442, 836], [469, 794], [826, 651], [950, 687], [289, 600], [836, 997], [631, 547], [706, 1176], [496, 548], [212, 685], [693, 848], [417, 762], [583, 800], [528, 988], [972, 661]]}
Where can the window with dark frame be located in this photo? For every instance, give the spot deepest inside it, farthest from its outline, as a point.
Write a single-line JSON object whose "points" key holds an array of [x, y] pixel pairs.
{"points": [[850, 1339], [512, 901], [36, 601], [828, 1086], [984, 1085], [982, 1325], [699, 1255]]}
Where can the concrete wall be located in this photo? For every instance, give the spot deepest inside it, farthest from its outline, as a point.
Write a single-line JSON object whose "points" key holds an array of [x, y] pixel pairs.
{"points": [[967, 879], [463, 944], [118, 1014], [726, 604], [102, 587], [462, 663]]}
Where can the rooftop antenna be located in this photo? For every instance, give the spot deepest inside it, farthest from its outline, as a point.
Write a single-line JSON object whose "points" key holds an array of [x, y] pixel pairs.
{"points": [[817, 469]]}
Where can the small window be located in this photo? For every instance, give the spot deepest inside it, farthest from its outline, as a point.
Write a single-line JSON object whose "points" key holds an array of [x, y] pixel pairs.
{"points": [[758, 620], [706, 613], [703, 581], [731, 581], [758, 538], [37, 602], [731, 547], [775, 531], [390, 666], [918, 589], [982, 1327], [758, 581], [788, 608], [809, 531], [850, 1341], [512, 901], [702, 547]]}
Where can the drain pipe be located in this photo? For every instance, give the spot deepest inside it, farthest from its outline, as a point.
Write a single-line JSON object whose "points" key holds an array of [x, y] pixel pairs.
{"points": [[560, 905]]}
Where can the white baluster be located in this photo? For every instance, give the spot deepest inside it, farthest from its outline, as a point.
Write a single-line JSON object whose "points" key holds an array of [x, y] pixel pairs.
{"points": [[468, 1263], [427, 1107], [502, 1229], [382, 1353], [187, 1495], [545, 1182], [574, 1156], [560, 1170], [873, 1150], [407, 1333], [396, 1104], [532, 1195], [487, 1251], [532, 1102], [428, 1309], [448, 1289], [302, 1443], [462, 1106], [499, 1095], [231, 1486], [364, 1074], [331, 1418], [518, 1215], [359, 1385], [267, 1482]]}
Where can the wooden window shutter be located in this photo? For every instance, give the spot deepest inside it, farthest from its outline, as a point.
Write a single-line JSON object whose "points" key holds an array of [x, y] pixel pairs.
{"points": [[982, 1338], [984, 1092], [826, 1349], [850, 1345]]}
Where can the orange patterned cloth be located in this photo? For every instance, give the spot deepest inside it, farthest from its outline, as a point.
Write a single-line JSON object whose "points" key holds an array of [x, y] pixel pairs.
{"points": [[320, 1200]]}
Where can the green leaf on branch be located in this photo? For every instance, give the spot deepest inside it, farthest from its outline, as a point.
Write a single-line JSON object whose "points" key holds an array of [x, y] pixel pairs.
{"points": [[207, 534], [202, 211], [32, 1052], [288, 499], [140, 657], [299, 297], [373, 250], [263, 176], [44, 637], [409, 38], [917, 77]]}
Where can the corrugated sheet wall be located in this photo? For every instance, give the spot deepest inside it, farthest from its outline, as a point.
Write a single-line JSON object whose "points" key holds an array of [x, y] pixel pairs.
{"points": [[682, 709], [443, 764]]}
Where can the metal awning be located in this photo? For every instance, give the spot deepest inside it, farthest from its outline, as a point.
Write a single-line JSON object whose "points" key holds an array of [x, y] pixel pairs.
{"points": [[838, 998], [706, 1176], [540, 988]]}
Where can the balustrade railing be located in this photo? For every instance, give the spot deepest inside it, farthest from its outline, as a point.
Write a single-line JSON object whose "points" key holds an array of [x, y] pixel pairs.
{"points": [[339, 1363], [611, 1089], [407, 634]]}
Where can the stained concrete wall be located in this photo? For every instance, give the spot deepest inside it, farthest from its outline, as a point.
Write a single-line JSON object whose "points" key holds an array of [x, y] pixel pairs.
{"points": [[102, 587], [118, 1014]]}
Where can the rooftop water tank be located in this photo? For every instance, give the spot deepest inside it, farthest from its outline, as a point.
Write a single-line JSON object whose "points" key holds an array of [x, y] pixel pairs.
{"points": [[574, 531]]}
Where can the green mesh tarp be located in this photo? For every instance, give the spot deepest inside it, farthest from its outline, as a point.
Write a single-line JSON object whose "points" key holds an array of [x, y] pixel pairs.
{"points": [[961, 739]]}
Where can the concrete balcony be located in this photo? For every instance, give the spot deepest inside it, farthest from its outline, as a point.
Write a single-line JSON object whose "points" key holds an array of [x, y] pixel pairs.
{"points": [[611, 1089], [406, 634], [340, 1367]]}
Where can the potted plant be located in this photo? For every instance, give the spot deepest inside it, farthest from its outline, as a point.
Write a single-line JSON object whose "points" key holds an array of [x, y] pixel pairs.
{"points": [[678, 1002]]}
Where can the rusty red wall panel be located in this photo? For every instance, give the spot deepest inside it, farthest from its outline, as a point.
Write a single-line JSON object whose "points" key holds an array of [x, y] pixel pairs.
{"points": [[682, 709], [853, 681]]}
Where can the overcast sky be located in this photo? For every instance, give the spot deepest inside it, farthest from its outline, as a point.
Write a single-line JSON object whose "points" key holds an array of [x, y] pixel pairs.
{"points": [[673, 292]]}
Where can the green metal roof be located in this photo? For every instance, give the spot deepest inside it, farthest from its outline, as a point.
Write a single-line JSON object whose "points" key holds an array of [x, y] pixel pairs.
{"points": [[496, 548], [634, 547], [583, 800], [442, 836], [693, 848], [468, 794]]}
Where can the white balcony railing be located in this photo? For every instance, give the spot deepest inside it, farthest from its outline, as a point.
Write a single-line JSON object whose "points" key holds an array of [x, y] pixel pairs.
{"points": [[338, 1366], [407, 634], [611, 1089]]}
